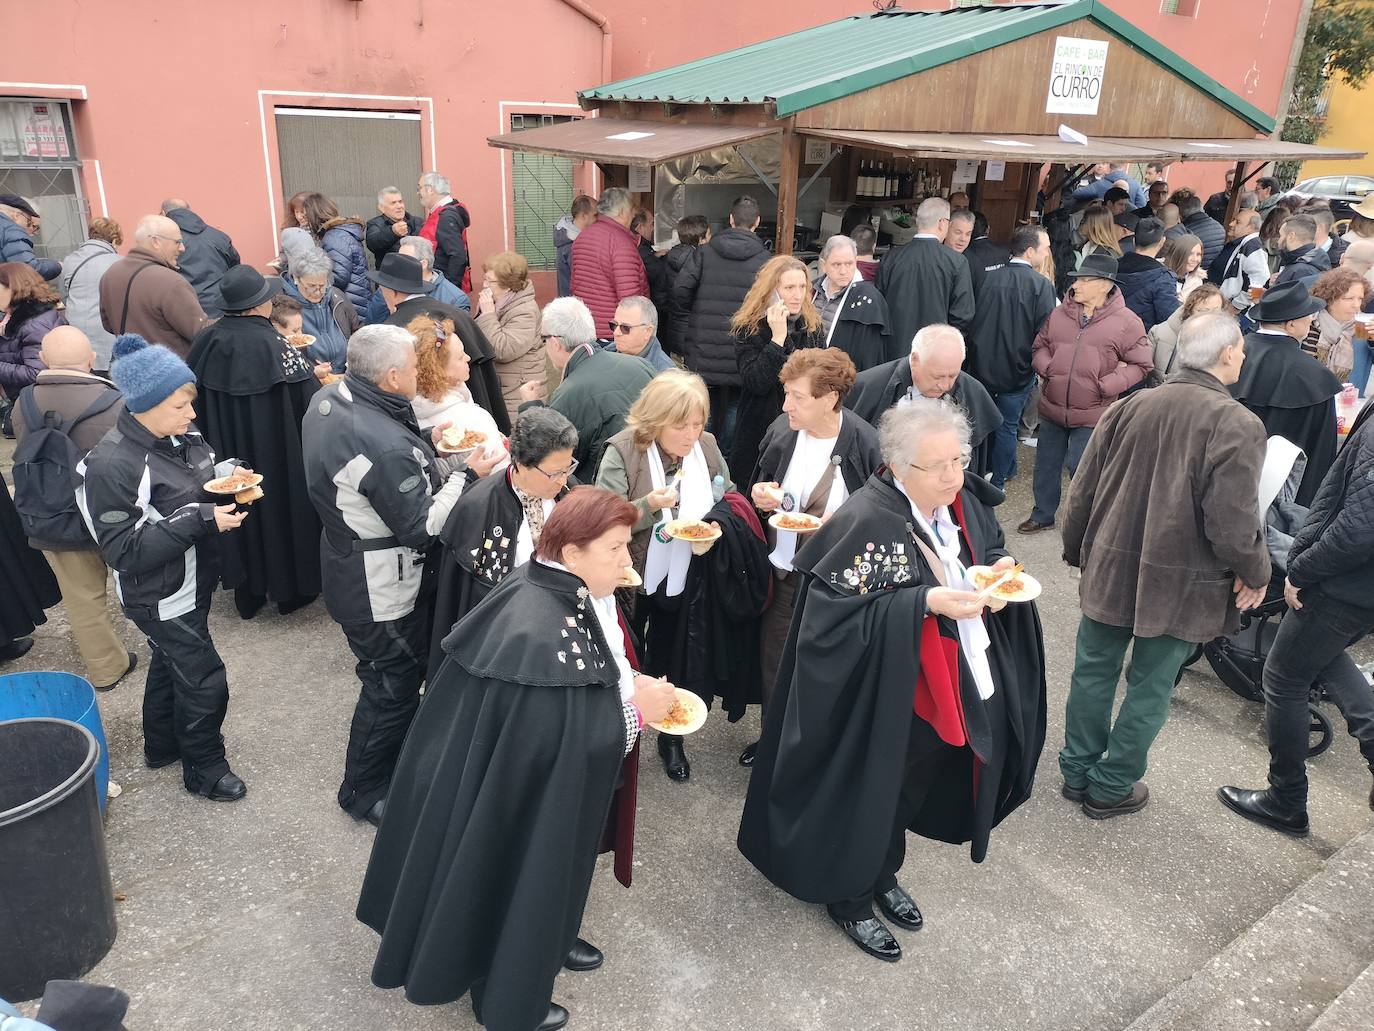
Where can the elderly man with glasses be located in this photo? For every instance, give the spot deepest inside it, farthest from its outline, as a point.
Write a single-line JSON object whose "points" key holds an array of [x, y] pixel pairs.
{"points": [[634, 331], [144, 293], [598, 386], [19, 223]]}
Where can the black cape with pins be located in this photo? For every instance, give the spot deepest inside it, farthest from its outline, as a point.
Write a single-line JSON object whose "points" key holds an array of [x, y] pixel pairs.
{"points": [[483, 863], [254, 389], [879, 388], [477, 552], [829, 767], [1294, 396]]}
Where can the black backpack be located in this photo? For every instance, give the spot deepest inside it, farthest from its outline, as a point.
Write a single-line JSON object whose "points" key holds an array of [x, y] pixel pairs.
{"points": [[45, 473]]}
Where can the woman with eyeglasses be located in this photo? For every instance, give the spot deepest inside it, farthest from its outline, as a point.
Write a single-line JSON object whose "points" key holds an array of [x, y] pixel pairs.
{"points": [[495, 526], [326, 313], [667, 465], [870, 734], [509, 315]]}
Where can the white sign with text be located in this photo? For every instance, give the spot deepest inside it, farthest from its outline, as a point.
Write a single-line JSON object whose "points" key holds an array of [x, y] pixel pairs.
{"points": [[1076, 77]]}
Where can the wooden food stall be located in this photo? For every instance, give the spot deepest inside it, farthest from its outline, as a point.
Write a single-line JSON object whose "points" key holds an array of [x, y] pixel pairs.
{"points": [[866, 116]]}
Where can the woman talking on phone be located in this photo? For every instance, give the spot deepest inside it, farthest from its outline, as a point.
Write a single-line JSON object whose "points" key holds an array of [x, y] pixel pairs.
{"points": [[776, 319]]}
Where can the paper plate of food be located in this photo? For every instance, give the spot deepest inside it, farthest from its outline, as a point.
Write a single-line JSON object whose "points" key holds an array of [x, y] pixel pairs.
{"points": [[332, 377], [631, 578], [796, 522], [687, 716], [696, 533], [458, 441], [1018, 586], [301, 340], [243, 486]]}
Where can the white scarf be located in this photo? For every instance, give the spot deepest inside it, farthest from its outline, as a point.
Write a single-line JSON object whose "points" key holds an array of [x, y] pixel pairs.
{"points": [[669, 557], [792, 484], [973, 635]]}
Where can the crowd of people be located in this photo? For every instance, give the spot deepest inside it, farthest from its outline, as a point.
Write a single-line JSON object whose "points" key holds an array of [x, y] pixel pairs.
{"points": [[484, 492]]}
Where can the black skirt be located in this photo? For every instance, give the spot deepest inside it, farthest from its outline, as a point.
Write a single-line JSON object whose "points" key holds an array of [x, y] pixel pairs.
{"points": [[27, 585]]}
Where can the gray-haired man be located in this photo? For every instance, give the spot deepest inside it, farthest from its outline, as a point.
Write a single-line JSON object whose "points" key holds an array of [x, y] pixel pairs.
{"points": [[925, 282], [373, 478], [391, 224], [634, 331], [446, 227]]}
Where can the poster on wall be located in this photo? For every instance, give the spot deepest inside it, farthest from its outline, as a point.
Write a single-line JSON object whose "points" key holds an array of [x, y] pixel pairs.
{"points": [[1076, 76], [641, 178], [44, 136]]}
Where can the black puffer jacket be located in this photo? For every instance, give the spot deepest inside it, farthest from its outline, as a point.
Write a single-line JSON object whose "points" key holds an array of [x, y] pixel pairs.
{"points": [[673, 323], [1333, 554], [712, 287], [209, 254], [1148, 288]]}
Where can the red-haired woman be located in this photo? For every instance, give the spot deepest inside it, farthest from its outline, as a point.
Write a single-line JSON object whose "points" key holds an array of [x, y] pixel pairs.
{"points": [[482, 865], [29, 308]]}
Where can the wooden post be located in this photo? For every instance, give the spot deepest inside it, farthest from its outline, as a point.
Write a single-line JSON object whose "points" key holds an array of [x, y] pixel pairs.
{"points": [[789, 162], [1233, 202]]}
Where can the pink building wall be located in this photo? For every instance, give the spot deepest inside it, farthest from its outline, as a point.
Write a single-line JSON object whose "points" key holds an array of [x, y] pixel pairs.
{"points": [[177, 99]]}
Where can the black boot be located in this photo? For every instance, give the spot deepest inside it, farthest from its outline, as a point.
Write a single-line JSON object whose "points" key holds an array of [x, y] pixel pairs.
{"points": [[746, 757], [674, 757]]}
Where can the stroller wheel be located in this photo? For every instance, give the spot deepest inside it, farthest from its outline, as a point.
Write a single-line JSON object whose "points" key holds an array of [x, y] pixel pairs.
{"points": [[1319, 733]]}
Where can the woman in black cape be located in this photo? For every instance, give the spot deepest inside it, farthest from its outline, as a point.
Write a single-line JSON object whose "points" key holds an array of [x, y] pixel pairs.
{"points": [[482, 865]]}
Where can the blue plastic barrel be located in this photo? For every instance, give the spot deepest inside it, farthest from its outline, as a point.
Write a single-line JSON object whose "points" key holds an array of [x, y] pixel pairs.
{"points": [[63, 696]]}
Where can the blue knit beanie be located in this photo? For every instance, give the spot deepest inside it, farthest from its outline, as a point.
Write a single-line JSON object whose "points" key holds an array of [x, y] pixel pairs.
{"points": [[146, 374]]}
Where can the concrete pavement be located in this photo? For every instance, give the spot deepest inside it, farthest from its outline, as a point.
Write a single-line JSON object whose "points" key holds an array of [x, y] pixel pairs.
{"points": [[242, 915]]}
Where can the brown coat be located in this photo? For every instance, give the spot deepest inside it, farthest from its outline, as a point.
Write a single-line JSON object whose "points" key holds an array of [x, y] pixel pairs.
{"points": [[1163, 513], [163, 307], [513, 330]]}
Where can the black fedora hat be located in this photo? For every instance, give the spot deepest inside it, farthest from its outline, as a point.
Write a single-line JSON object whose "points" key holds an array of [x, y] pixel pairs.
{"points": [[1284, 303], [244, 287], [402, 273], [1097, 266]]}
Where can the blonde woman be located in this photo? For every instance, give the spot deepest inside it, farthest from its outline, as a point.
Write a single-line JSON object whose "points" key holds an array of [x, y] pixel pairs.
{"points": [[665, 463], [1100, 233], [509, 316], [777, 318]]}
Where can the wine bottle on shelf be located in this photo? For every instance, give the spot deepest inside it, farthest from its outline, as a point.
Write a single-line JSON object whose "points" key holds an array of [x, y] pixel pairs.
{"points": [[892, 181], [861, 187]]}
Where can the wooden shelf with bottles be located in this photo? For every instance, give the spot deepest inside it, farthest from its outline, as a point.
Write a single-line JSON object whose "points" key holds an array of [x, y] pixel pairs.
{"points": [[899, 180]]}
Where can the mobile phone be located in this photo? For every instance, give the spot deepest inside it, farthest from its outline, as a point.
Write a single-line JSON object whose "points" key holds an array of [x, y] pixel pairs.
{"points": [[777, 297]]}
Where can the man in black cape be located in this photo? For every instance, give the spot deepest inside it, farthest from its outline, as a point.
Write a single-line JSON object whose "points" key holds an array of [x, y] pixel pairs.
{"points": [[854, 315], [480, 872], [254, 390], [925, 282], [1293, 394], [401, 279], [932, 370], [871, 733]]}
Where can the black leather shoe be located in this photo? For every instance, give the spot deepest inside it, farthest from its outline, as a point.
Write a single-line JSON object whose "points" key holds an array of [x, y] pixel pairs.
{"points": [[157, 762], [674, 757], [900, 908], [1073, 794], [872, 936], [1260, 807], [227, 789], [583, 956], [133, 665], [746, 757], [1132, 803], [16, 649], [557, 1018], [375, 814]]}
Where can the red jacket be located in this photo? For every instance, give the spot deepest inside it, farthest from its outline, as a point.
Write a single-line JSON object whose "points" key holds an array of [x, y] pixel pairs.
{"points": [[607, 268], [1086, 368], [446, 228]]}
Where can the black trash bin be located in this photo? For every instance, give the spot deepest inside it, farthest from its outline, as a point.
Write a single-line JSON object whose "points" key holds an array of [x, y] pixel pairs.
{"points": [[56, 899]]}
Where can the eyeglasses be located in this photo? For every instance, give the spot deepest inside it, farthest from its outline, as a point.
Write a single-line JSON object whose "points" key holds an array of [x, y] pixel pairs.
{"points": [[544, 338], [625, 328], [170, 239], [561, 474], [962, 462]]}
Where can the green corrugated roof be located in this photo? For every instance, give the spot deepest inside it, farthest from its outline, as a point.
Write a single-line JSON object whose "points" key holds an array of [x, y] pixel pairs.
{"points": [[827, 62]]}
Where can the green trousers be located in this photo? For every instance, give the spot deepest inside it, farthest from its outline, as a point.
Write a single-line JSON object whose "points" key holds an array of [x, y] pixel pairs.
{"points": [[1108, 759]]}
